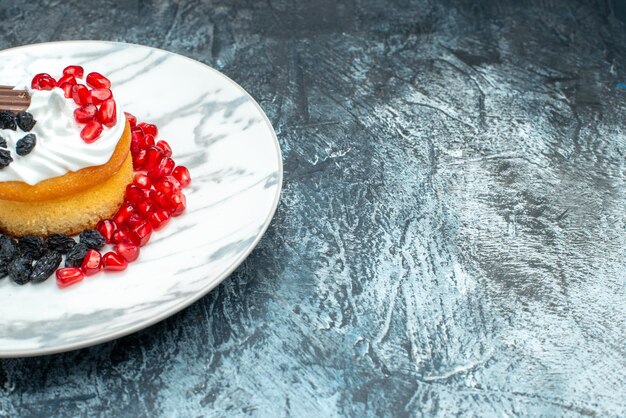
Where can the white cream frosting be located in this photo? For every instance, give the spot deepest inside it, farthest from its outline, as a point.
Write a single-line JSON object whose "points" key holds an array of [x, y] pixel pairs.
{"points": [[59, 148]]}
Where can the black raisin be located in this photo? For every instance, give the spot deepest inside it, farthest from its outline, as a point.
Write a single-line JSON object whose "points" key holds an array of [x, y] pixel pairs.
{"points": [[4, 268], [25, 145], [7, 120], [60, 243], [20, 269], [45, 266], [92, 239], [7, 248], [25, 121], [5, 158], [31, 246], [3, 142], [76, 255]]}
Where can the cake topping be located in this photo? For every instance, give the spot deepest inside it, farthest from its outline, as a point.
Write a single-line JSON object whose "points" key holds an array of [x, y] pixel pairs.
{"points": [[25, 121], [5, 158], [13, 100], [25, 145], [7, 120]]}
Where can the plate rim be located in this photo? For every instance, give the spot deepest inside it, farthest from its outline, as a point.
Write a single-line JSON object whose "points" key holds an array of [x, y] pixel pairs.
{"points": [[203, 291]]}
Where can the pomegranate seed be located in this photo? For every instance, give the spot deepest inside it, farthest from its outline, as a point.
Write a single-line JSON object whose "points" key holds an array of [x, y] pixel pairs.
{"points": [[81, 94], [123, 213], [178, 203], [159, 219], [91, 131], [114, 262], [67, 276], [100, 95], [128, 250], [137, 130], [163, 200], [149, 128], [165, 147], [132, 120], [85, 113], [92, 263], [146, 141], [67, 78], [75, 70], [145, 208], [133, 221], [139, 160], [98, 81], [106, 228], [43, 81], [151, 195], [140, 234], [181, 174], [134, 194], [107, 114], [67, 90], [164, 168], [120, 237], [142, 181], [167, 185], [153, 157]]}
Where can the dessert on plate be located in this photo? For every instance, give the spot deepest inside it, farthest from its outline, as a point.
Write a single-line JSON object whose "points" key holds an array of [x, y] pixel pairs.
{"points": [[72, 162]]}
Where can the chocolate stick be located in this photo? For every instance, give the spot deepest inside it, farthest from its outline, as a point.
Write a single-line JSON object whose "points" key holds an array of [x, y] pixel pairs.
{"points": [[13, 100]]}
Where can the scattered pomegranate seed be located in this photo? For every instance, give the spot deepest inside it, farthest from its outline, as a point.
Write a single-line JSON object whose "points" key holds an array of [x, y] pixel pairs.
{"points": [[107, 113], [85, 113], [133, 221], [132, 120], [165, 147], [114, 262], [67, 78], [140, 234], [139, 160], [159, 219], [181, 174], [120, 236], [149, 128], [167, 185], [74, 70], [67, 90], [142, 181], [81, 94], [123, 213], [146, 141], [178, 203], [128, 250], [91, 131], [67, 276], [164, 168], [98, 81], [100, 95], [151, 195], [43, 81], [92, 263], [145, 207], [134, 194], [106, 229], [153, 157]]}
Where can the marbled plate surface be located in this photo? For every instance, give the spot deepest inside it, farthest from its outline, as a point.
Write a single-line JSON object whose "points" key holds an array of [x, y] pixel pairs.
{"points": [[215, 129]]}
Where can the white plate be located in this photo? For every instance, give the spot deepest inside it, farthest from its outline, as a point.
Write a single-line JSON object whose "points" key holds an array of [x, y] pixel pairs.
{"points": [[215, 129]]}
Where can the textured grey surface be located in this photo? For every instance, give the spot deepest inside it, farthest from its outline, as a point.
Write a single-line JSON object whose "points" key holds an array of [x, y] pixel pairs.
{"points": [[451, 235]]}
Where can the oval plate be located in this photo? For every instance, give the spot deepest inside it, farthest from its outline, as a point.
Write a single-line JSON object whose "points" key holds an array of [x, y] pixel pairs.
{"points": [[215, 129]]}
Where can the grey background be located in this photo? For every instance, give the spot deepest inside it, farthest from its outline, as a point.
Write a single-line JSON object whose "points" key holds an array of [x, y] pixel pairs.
{"points": [[451, 235]]}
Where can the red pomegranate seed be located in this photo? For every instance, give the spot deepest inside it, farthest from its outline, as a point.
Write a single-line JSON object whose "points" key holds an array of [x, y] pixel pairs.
{"points": [[137, 130], [67, 78], [91, 131], [120, 236], [106, 228], [165, 147], [167, 185], [140, 234], [178, 203], [142, 181], [139, 160], [74, 70], [81, 95], [43, 81], [107, 113], [92, 263], [67, 276], [128, 250], [134, 194], [132, 120], [151, 195], [159, 219], [114, 262], [123, 213], [98, 81], [149, 128], [153, 157], [133, 221], [164, 168], [100, 95], [67, 90], [145, 208], [181, 174], [146, 141], [85, 113]]}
